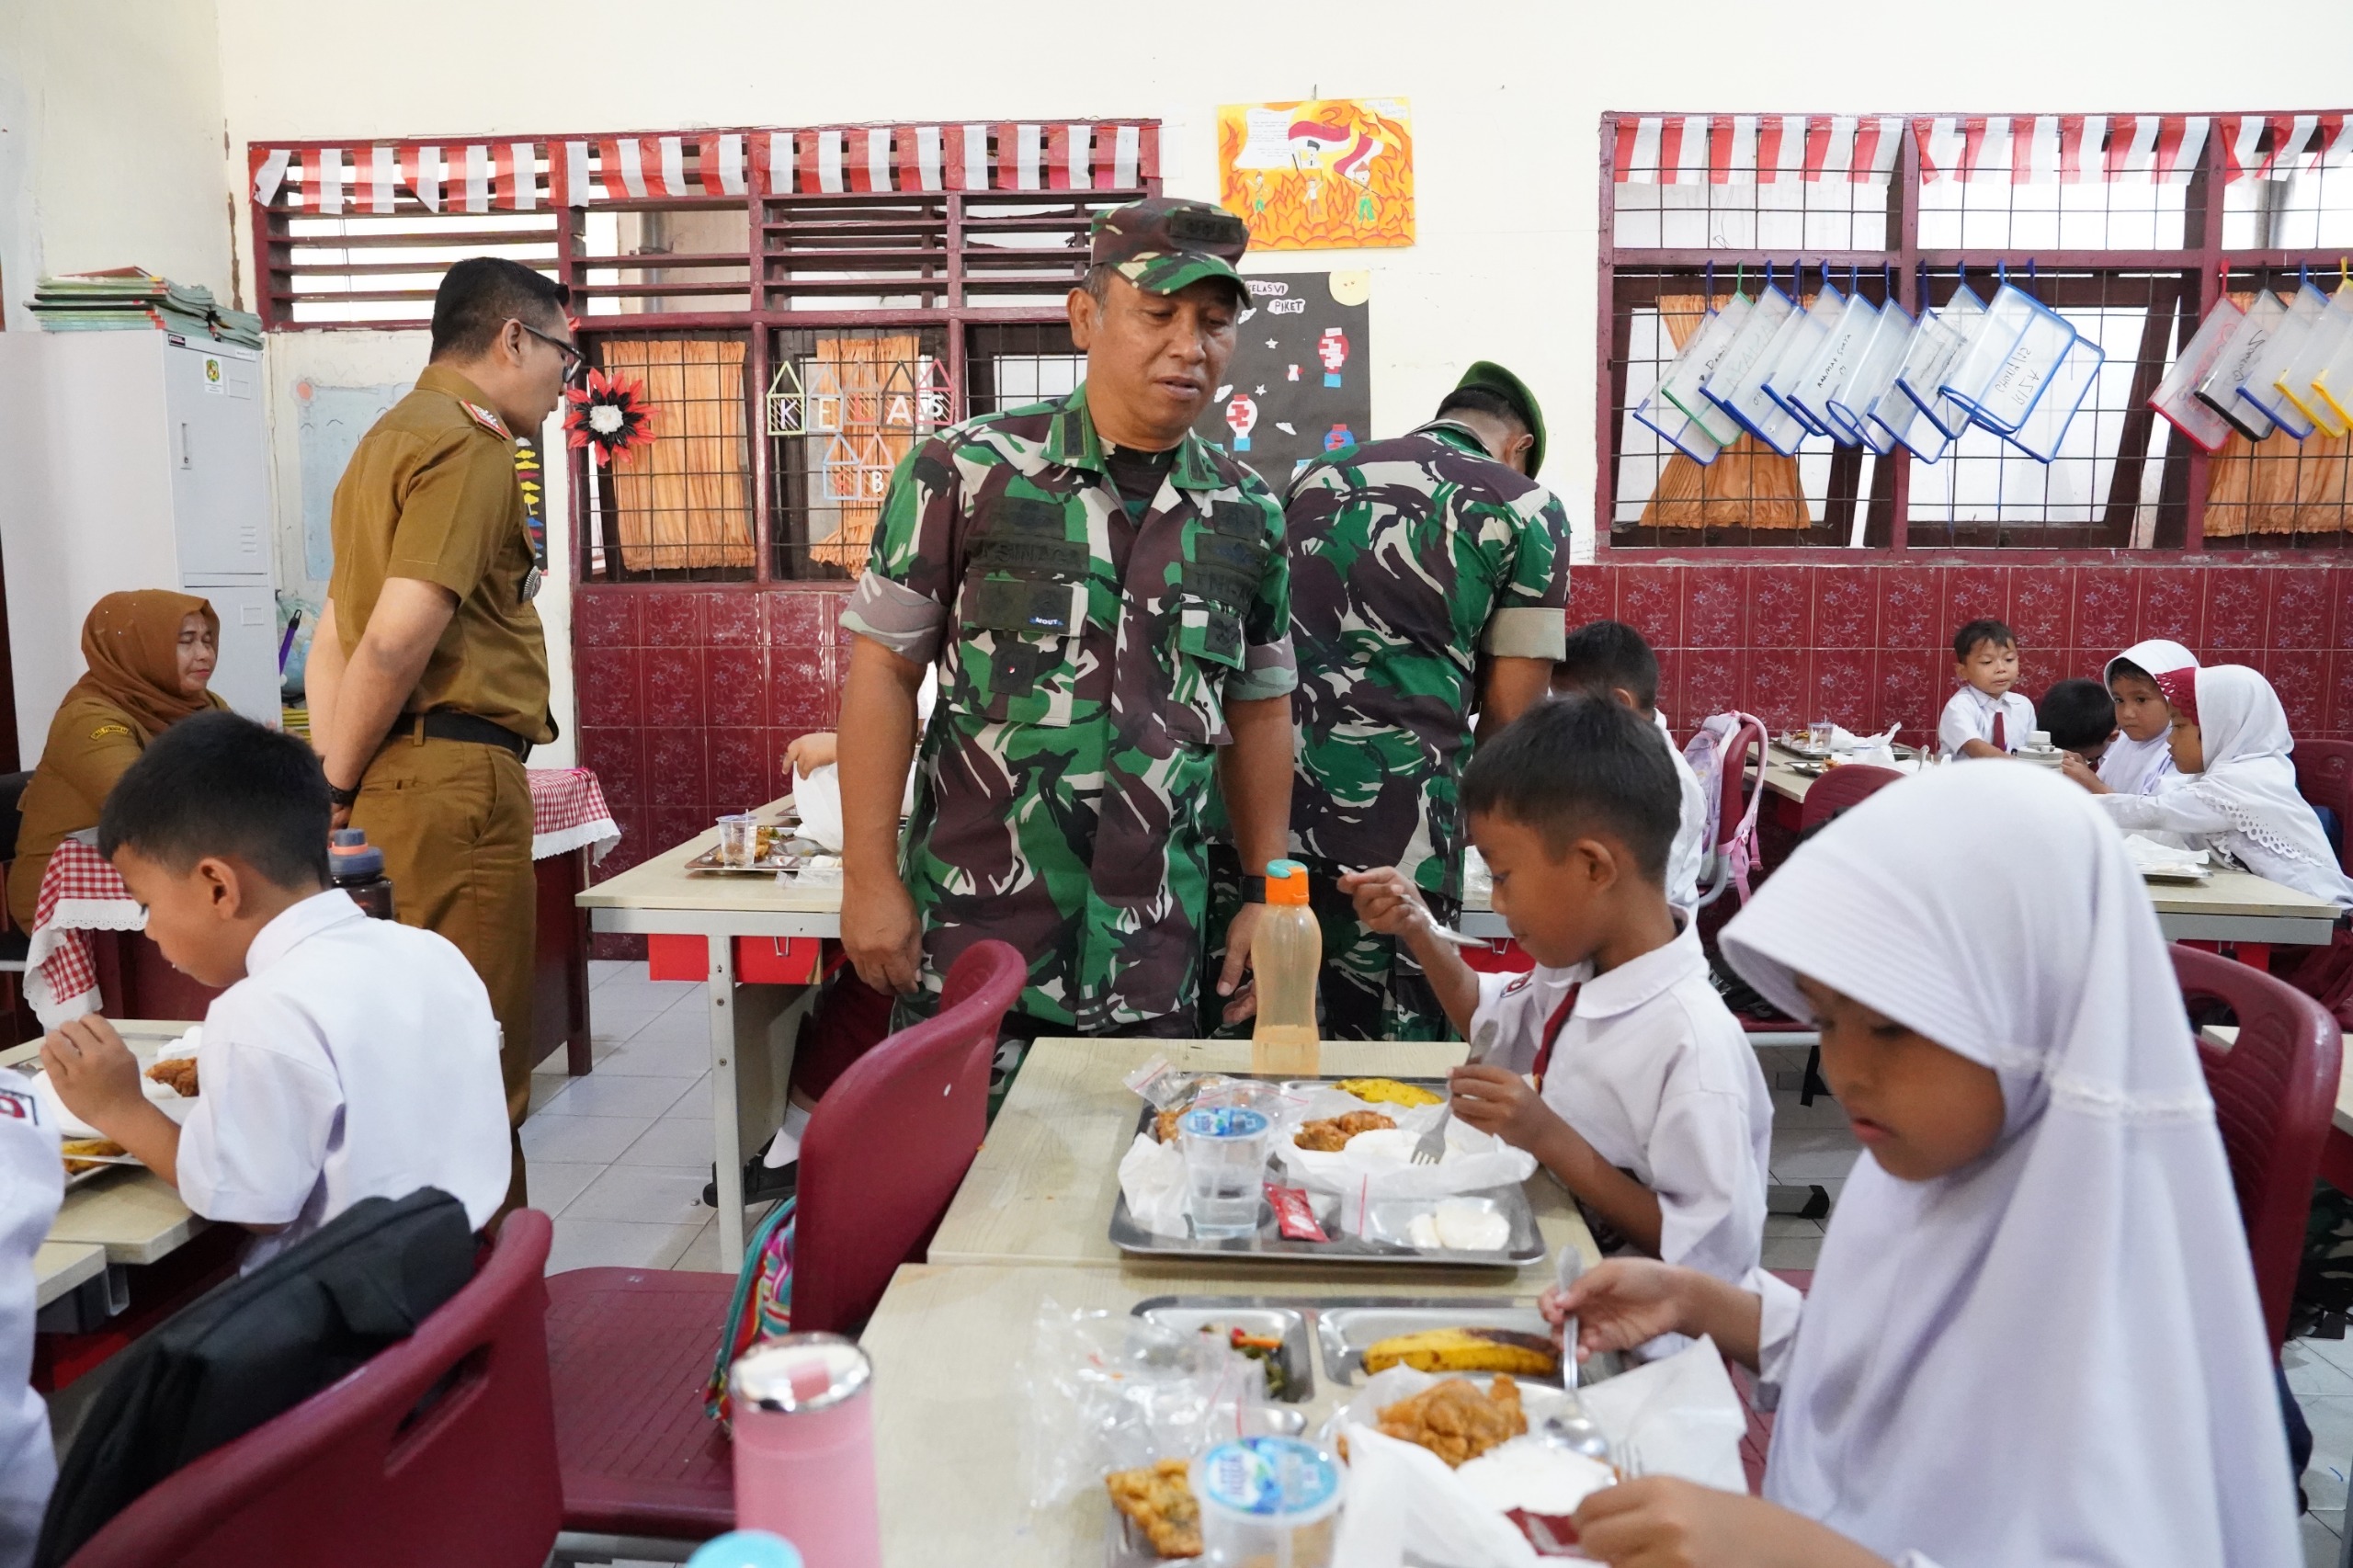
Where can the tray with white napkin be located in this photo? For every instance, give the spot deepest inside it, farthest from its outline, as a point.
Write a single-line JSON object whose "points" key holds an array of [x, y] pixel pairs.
{"points": [[74, 1129], [2159, 862]]}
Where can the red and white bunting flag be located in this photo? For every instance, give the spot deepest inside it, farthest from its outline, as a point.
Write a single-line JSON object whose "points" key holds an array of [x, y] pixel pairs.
{"points": [[421, 172], [880, 144], [327, 180], [974, 140], [1838, 154], [574, 167], [2034, 149], [1020, 154], [1886, 150], [1731, 140], [1148, 154], [1057, 169], [1116, 149], [931, 171], [669, 171], [2076, 132], [2334, 146], [515, 180], [2180, 143], [624, 171], [269, 174], [2291, 138], [719, 161], [384, 179], [1079, 156], [1780, 149], [831, 157], [477, 176], [774, 152], [2242, 135]]}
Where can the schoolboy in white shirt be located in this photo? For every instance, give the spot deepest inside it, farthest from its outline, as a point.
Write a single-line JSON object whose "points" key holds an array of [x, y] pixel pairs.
{"points": [[1611, 658], [349, 1058], [1646, 1100], [31, 1182], [1986, 718]]}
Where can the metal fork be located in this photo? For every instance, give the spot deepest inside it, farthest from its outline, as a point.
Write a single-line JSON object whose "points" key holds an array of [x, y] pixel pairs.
{"points": [[1432, 1148]]}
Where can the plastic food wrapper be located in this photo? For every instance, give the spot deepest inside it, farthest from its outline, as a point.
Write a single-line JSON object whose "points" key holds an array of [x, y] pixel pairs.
{"points": [[822, 871], [1112, 1392], [2219, 388], [1378, 1165], [1163, 1085], [2149, 855], [1680, 1413], [1152, 1179], [175, 1104], [2177, 397]]}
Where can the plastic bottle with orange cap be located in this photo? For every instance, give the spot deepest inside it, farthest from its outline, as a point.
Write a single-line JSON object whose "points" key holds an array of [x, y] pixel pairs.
{"points": [[1286, 955]]}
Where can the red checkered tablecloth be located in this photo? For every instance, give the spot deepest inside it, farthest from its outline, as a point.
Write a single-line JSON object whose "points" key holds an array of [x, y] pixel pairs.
{"points": [[80, 892]]}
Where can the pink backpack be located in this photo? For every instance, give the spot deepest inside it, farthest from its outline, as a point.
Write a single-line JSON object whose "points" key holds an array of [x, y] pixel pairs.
{"points": [[1719, 752]]}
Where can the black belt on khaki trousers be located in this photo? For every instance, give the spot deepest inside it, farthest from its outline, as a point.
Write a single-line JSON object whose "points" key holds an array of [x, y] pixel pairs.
{"points": [[449, 724]]}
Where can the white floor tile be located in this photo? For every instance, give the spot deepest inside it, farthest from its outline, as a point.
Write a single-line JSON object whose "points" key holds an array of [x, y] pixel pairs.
{"points": [[554, 1184], [1804, 1155], [581, 1139], [687, 1141], [702, 1253], [601, 1093], [621, 1017], [2331, 1419], [2311, 1373], [1790, 1252], [688, 1021], [1790, 1225], [2321, 1545], [2338, 1352], [545, 1087], [644, 1194], [696, 1101], [659, 1059], [617, 1243], [602, 969]]}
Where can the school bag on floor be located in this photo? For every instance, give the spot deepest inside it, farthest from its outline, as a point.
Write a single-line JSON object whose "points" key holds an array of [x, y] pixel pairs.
{"points": [[761, 1308]]}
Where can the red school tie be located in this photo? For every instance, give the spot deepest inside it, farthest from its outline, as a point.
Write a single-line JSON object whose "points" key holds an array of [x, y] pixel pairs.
{"points": [[1553, 1027], [2000, 743]]}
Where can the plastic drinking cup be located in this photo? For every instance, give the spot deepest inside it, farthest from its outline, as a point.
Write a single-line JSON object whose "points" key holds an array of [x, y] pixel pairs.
{"points": [[1271, 1501], [739, 839], [1818, 733], [1225, 1163]]}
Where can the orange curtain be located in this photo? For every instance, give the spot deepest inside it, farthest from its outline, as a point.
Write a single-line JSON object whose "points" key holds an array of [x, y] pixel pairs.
{"points": [[875, 380], [684, 499], [2279, 485], [1748, 485]]}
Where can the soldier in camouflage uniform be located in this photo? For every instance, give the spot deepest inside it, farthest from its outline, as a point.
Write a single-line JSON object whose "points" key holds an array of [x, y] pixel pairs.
{"points": [[1105, 597], [1429, 577]]}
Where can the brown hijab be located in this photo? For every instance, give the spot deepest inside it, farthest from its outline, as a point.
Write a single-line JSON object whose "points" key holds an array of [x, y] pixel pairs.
{"points": [[130, 643]]}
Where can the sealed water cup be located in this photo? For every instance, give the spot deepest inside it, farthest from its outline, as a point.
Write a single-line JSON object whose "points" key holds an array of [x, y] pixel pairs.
{"points": [[1226, 1149], [1267, 1502]]}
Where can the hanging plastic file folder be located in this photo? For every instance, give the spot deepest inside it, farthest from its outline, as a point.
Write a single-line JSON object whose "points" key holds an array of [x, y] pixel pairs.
{"points": [[1815, 394], [1677, 428], [2219, 389], [2062, 393], [1873, 377], [2334, 383], [1736, 385], [1937, 342], [1801, 341], [2009, 360], [2262, 385], [2176, 398], [1680, 386], [2328, 334]]}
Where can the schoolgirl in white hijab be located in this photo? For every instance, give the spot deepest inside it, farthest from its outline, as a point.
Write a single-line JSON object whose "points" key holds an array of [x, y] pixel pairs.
{"points": [[2237, 793], [2141, 765], [2032, 1337]]}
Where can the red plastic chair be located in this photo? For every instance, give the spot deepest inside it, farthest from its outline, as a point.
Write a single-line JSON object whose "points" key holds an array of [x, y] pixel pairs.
{"points": [[1840, 788], [368, 1473], [2274, 1091], [2325, 776], [630, 1348]]}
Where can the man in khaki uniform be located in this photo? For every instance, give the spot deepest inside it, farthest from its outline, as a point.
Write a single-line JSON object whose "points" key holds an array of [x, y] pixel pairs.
{"points": [[428, 675]]}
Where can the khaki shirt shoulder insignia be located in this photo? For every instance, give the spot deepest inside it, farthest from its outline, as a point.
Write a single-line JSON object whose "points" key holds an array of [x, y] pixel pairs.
{"points": [[486, 419], [103, 731]]}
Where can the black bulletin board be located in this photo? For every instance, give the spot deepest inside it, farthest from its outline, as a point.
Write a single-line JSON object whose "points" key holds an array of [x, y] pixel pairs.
{"points": [[1303, 361]]}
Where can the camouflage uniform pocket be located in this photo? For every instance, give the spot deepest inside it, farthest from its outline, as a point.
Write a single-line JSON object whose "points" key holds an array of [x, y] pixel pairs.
{"points": [[1017, 657], [1208, 643]]}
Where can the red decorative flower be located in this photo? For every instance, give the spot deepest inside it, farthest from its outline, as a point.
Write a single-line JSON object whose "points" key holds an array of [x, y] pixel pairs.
{"points": [[609, 416]]}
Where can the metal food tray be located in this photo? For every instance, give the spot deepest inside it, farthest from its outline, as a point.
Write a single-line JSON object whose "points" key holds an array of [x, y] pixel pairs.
{"points": [[1526, 1245], [708, 863], [1253, 1314], [1346, 1330]]}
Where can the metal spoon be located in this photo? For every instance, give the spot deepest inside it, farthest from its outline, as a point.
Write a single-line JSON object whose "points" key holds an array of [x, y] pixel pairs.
{"points": [[1573, 1429], [1448, 933]]}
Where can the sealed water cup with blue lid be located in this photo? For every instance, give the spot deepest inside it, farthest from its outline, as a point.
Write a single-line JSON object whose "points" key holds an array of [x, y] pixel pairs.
{"points": [[1226, 1149], [1274, 1501]]}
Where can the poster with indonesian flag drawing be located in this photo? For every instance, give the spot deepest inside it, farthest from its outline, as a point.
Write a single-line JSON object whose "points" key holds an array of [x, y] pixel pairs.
{"points": [[1321, 175]]}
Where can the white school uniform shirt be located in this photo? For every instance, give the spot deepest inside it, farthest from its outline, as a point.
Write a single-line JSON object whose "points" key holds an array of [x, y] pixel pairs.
{"points": [[1689, 856], [2077, 1290], [1652, 1069], [32, 1179], [356, 1059], [1970, 717], [2137, 767]]}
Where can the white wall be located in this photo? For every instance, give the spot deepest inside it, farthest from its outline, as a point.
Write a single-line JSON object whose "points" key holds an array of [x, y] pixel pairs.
{"points": [[110, 144]]}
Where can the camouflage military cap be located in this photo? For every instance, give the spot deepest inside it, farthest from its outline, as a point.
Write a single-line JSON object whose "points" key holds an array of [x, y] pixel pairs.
{"points": [[1488, 376], [1161, 244]]}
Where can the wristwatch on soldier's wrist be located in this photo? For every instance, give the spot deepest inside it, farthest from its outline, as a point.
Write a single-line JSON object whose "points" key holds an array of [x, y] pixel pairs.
{"points": [[1254, 890], [344, 799]]}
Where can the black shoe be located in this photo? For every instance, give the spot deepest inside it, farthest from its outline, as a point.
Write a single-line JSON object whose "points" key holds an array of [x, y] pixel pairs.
{"points": [[762, 1183]]}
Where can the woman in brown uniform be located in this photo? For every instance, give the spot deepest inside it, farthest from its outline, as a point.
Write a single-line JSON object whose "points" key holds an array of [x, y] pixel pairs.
{"points": [[149, 656]]}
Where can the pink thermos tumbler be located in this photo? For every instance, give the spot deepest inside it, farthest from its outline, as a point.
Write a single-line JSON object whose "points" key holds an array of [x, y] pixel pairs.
{"points": [[804, 1447]]}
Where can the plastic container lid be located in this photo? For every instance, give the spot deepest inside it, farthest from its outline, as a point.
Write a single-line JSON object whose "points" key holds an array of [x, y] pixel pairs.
{"points": [[1269, 1480], [1222, 1122], [799, 1372], [745, 1548], [351, 858], [1286, 882]]}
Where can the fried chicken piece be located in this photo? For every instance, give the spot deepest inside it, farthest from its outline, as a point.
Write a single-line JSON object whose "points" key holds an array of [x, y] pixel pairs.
{"points": [[1455, 1421], [1331, 1135], [1160, 1500], [178, 1072], [1164, 1126], [100, 1146]]}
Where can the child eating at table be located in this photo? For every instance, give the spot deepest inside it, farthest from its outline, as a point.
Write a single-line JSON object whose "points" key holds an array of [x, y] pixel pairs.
{"points": [[2033, 1334], [347, 1058], [1986, 718], [2080, 718], [1609, 658], [2140, 762], [2236, 796], [1645, 1097]]}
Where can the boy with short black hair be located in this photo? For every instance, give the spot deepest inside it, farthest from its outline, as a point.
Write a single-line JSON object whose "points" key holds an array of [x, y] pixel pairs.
{"points": [[1986, 718], [347, 1058], [1645, 1098], [1609, 658], [2080, 718]]}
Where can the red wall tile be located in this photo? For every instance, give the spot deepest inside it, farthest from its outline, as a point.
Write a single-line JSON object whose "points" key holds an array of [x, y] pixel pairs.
{"points": [[673, 618], [1844, 679], [1715, 680], [1845, 606], [1911, 608], [612, 754], [1670, 681], [2236, 597], [2107, 607], [2302, 607], [2042, 609], [739, 774], [2340, 693], [735, 687], [1777, 689], [604, 618], [2174, 603], [2302, 680], [1973, 592], [1714, 613], [1780, 605], [796, 618], [605, 684], [1591, 596], [1651, 603], [674, 689], [673, 770], [731, 618]]}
